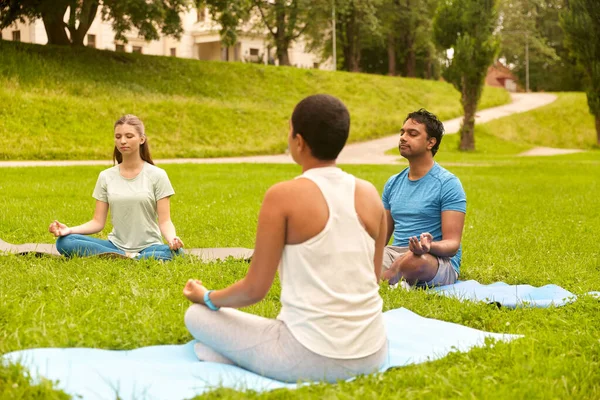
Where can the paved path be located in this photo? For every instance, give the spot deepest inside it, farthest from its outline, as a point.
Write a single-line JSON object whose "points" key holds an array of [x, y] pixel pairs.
{"points": [[548, 151], [371, 152]]}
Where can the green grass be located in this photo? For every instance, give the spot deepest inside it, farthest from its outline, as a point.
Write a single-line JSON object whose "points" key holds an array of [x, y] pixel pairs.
{"points": [[529, 221], [58, 103], [564, 123], [15, 383]]}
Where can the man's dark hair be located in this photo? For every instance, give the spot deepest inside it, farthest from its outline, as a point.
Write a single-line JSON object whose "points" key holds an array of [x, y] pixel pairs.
{"points": [[324, 123], [433, 126]]}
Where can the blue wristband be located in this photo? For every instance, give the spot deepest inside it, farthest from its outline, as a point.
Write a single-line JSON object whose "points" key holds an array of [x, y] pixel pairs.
{"points": [[209, 303]]}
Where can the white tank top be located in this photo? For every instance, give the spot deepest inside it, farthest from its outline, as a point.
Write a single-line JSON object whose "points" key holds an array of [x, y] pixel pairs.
{"points": [[329, 294]]}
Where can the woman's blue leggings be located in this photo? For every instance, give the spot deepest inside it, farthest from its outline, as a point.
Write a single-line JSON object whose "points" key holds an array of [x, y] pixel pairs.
{"points": [[83, 246]]}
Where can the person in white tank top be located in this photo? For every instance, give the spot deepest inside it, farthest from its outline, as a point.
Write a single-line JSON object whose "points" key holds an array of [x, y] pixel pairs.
{"points": [[325, 231]]}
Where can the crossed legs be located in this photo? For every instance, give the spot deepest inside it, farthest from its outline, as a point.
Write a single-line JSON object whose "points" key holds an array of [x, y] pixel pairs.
{"points": [[421, 270], [85, 246], [267, 347]]}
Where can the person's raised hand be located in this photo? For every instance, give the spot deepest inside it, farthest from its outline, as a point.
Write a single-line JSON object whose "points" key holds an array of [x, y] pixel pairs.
{"points": [[194, 291], [418, 247], [59, 229], [426, 239], [175, 244]]}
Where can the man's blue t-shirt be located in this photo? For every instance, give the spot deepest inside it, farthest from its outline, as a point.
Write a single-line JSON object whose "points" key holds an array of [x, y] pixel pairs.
{"points": [[416, 206]]}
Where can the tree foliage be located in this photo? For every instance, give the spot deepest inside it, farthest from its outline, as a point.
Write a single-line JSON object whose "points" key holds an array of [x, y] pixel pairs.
{"points": [[581, 23], [283, 20], [533, 27], [230, 14], [408, 30], [467, 27], [147, 17]]}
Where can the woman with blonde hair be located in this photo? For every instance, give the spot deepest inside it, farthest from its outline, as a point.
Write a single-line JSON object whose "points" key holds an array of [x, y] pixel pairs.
{"points": [[137, 193]]}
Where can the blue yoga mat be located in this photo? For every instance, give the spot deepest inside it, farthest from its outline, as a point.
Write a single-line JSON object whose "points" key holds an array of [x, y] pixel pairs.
{"points": [[511, 296], [174, 372]]}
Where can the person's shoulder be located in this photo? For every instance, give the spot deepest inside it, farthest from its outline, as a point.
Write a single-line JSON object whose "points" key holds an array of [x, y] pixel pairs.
{"points": [[398, 177], [151, 168], [443, 174], [366, 186], [367, 191], [289, 188], [109, 172], [283, 194], [155, 172]]}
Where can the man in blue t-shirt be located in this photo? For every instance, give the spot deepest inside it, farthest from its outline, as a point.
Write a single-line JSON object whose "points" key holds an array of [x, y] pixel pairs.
{"points": [[425, 206]]}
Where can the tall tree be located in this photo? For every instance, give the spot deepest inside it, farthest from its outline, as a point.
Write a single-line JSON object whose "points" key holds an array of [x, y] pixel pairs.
{"points": [[415, 30], [389, 14], [467, 27], [230, 14], [147, 17], [283, 20], [357, 24], [522, 40], [286, 21], [581, 23]]}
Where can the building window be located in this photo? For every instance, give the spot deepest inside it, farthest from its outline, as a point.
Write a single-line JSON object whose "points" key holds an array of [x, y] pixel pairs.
{"points": [[91, 40], [173, 52], [316, 65], [16, 36], [201, 14], [136, 49], [254, 52], [120, 48]]}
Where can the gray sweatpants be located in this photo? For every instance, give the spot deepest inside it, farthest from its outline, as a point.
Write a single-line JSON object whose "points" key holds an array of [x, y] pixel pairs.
{"points": [[267, 347]]}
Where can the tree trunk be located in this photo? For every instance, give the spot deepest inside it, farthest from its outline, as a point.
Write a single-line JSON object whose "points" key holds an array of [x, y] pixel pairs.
{"points": [[598, 129], [467, 130], [355, 60], [282, 55], [428, 66], [411, 59], [55, 27], [280, 39], [347, 52], [391, 50], [353, 38], [88, 13]]}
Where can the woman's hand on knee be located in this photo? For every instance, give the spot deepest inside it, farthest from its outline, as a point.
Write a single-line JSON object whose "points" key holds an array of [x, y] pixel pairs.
{"points": [[59, 229], [194, 291], [175, 244]]}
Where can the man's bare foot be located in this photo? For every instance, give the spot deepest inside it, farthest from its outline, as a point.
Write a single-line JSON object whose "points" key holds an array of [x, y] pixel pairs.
{"points": [[194, 291], [391, 275]]}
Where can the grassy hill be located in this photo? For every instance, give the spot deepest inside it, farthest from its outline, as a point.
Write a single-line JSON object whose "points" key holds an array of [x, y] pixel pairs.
{"points": [[61, 103]]}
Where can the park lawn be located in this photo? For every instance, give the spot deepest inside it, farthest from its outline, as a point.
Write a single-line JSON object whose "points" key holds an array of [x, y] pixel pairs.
{"points": [[530, 220], [61, 103]]}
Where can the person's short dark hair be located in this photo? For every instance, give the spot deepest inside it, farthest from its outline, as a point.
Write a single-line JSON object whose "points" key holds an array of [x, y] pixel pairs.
{"points": [[433, 126], [324, 123]]}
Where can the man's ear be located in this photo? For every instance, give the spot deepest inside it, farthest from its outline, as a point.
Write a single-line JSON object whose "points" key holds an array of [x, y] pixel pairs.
{"points": [[432, 141]]}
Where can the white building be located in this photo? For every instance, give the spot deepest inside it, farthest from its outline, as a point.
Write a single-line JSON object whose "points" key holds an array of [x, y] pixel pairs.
{"points": [[200, 40]]}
